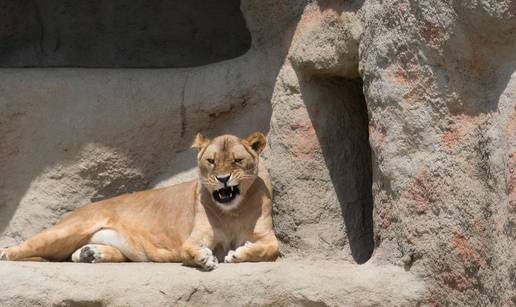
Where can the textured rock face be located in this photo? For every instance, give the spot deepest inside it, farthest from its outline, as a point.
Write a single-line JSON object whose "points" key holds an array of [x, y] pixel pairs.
{"points": [[439, 85], [319, 141], [391, 125]]}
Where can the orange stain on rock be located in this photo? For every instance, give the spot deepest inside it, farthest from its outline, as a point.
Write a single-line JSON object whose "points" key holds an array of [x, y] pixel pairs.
{"points": [[466, 251], [312, 17], [421, 192], [305, 144], [456, 280], [408, 77], [403, 76], [460, 126], [377, 135], [309, 19]]}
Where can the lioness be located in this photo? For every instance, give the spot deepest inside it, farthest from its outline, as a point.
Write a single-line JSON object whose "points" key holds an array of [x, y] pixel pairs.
{"points": [[224, 215]]}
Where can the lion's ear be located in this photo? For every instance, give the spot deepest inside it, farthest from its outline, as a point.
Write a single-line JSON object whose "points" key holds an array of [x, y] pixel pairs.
{"points": [[200, 141], [257, 141]]}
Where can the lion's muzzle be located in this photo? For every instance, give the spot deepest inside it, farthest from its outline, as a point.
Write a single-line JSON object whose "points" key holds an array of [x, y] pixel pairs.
{"points": [[226, 194]]}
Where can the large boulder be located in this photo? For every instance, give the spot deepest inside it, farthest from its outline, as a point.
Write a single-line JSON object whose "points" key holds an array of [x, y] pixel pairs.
{"points": [[438, 81]]}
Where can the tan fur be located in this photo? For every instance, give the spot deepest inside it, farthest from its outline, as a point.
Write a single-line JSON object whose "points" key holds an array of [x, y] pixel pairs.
{"points": [[181, 223]]}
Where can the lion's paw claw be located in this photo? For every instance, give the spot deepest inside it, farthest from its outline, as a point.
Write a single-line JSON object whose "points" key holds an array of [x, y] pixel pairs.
{"points": [[231, 257], [208, 262]]}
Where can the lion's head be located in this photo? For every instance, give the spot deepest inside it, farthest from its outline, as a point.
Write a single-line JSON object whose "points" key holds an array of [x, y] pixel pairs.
{"points": [[228, 166]]}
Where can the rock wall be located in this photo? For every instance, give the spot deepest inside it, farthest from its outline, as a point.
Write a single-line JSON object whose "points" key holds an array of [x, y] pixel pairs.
{"points": [[391, 130], [439, 85]]}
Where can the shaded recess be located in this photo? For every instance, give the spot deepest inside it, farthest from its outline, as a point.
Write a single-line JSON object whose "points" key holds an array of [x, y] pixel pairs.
{"points": [[120, 33], [338, 112]]}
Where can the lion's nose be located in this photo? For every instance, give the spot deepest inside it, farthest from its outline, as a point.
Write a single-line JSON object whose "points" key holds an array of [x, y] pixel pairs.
{"points": [[223, 179]]}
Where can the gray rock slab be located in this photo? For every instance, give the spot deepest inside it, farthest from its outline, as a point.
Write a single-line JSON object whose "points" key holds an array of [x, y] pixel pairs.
{"points": [[283, 283]]}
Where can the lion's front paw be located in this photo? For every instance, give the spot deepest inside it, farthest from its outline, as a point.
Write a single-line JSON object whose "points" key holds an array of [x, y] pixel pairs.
{"points": [[235, 256], [3, 255], [208, 261], [231, 257]]}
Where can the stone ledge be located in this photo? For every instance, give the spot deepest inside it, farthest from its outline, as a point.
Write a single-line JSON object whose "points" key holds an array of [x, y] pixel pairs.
{"points": [[283, 283]]}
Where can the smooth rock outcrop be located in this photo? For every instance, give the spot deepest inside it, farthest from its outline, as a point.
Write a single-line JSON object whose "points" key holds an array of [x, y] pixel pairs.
{"points": [[292, 283]]}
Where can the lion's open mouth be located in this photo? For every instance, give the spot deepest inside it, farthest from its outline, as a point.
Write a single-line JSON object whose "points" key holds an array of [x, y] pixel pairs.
{"points": [[226, 194]]}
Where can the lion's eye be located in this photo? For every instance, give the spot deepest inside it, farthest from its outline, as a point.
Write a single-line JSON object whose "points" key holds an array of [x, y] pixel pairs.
{"points": [[211, 161], [238, 160]]}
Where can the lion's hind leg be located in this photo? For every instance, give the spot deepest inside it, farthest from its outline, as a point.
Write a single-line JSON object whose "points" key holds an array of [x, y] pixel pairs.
{"points": [[96, 253], [56, 243]]}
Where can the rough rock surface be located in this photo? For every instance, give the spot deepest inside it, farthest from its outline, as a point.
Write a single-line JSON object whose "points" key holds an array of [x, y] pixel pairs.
{"points": [[292, 283], [441, 94], [391, 125]]}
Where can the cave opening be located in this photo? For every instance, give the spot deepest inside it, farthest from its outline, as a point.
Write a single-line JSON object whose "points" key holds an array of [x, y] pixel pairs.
{"points": [[338, 111], [120, 33]]}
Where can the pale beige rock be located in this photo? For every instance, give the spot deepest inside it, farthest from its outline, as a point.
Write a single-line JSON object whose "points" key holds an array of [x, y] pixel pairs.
{"points": [[284, 283]]}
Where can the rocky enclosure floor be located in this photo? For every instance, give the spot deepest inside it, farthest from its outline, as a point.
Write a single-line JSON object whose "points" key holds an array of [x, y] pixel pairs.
{"points": [[283, 283]]}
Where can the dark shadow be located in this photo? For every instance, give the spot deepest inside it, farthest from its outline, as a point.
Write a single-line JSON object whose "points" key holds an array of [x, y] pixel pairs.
{"points": [[120, 33], [338, 111], [340, 6]]}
